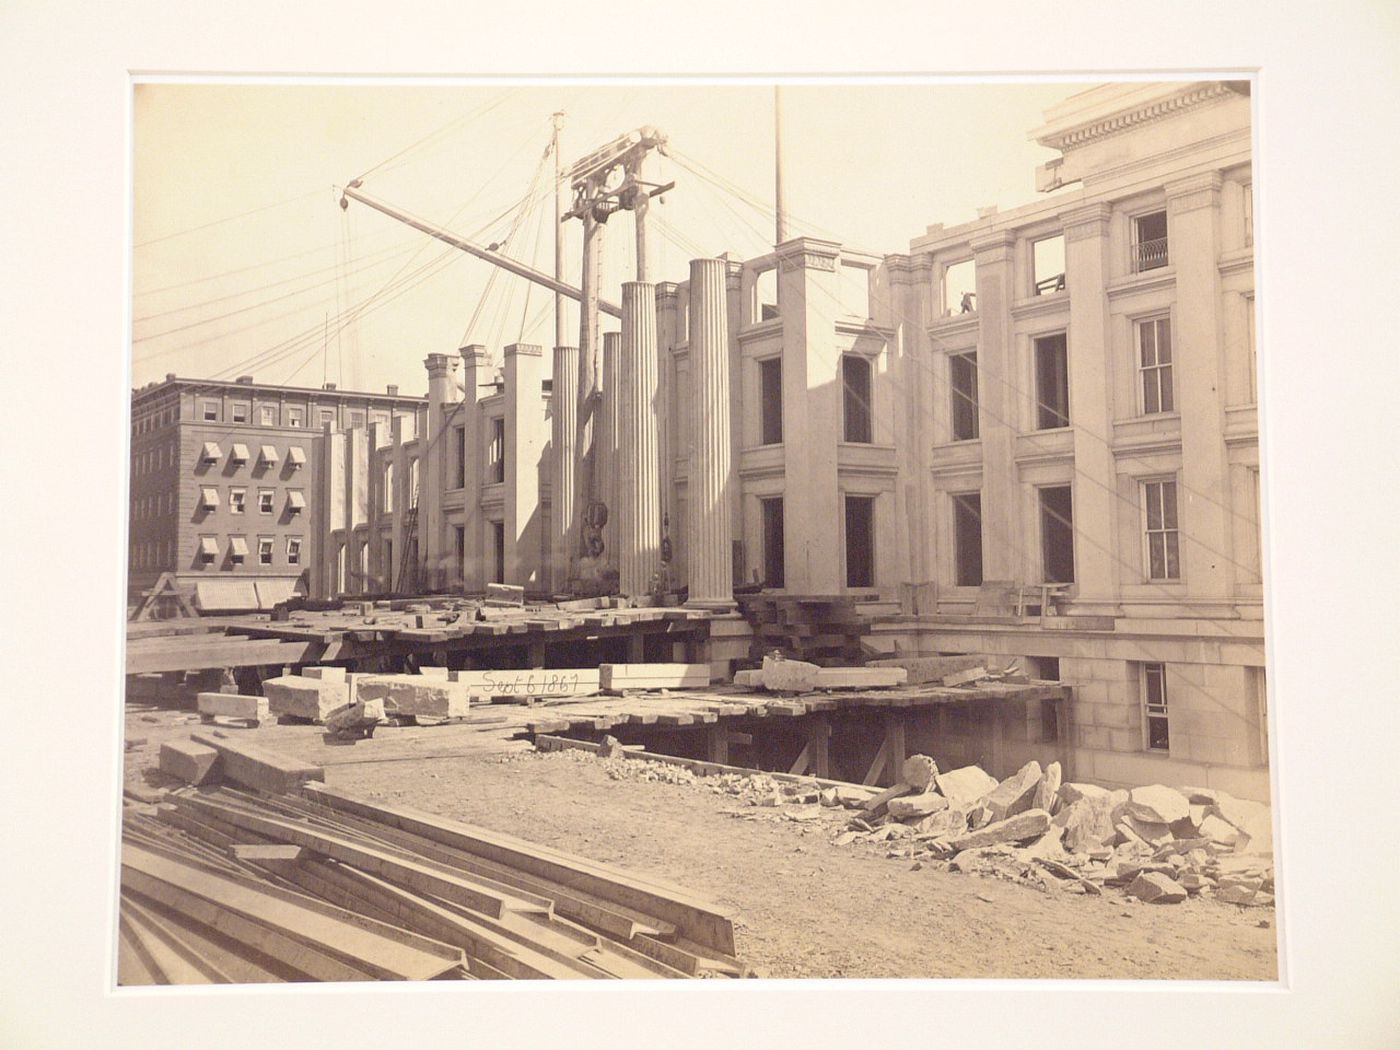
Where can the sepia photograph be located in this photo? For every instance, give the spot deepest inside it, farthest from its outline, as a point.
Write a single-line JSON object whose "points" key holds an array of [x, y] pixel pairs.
{"points": [[713, 527], [578, 531]]}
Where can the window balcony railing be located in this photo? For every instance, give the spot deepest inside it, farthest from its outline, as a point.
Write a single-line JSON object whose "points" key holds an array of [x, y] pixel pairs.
{"points": [[1050, 285], [1150, 255]]}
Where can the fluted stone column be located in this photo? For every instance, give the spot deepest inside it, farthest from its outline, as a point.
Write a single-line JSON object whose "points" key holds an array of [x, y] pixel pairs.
{"points": [[711, 529], [638, 481], [605, 439], [563, 536]]}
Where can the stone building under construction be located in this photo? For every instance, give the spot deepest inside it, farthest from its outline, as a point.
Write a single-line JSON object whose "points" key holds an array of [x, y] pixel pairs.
{"points": [[1033, 436]]}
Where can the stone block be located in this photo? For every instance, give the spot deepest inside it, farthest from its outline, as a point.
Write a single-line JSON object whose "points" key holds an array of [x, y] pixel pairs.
{"points": [[1155, 887], [789, 676], [301, 697], [1030, 824], [442, 674], [1088, 823], [414, 695], [962, 787], [1071, 792], [921, 805], [1014, 794], [1158, 804], [193, 763], [1154, 834], [1093, 737], [231, 705], [922, 669], [259, 768], [324, 674]]}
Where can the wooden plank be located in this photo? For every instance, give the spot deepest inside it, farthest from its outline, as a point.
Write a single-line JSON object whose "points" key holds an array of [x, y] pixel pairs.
{"points": [[204, 652], [257, 767], [654, 676], [171, 958], [701, 921], [894, 736]]}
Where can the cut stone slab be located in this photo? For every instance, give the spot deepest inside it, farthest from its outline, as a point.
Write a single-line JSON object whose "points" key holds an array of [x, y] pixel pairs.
{"points": [[1157, 888], [408, 694], [1154, 834], [1219, 831], [1071, 792], [1158, 804], [357, 716], [193, 763], [859, 677], [1088, 824], [922, 669], [1252, 818], [252, 709], [975, 674], [1047, 790], [301, 697], [622, 677], [876, 803], [258, 767], [748, 679], [789, 676], [1028, 825], [962, 787], [920, 805], [1014, 794], [919, 772], [946, 823], [504, 594], [325, 674]]}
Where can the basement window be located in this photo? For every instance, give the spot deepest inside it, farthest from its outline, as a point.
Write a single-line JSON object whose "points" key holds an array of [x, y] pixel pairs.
{"points": [[860, 541], [962, 375], [1150, 241], [1154, 697], [1051, 382], [770, 376], [855, 384], [967, 538], [1057, 534], [773, 554]]}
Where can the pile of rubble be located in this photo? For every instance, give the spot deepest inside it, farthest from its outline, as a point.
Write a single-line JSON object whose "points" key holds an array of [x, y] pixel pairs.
{"points": [[1159, 843]]}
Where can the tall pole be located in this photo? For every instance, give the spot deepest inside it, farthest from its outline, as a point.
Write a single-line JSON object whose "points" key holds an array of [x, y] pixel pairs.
{"points": [[559, 339], [780, 231]]}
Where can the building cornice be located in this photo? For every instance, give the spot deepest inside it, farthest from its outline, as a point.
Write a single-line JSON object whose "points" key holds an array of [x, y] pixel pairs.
{"points": [[808, 253], [1088, 220], [1194, 192], [1082, 134]]}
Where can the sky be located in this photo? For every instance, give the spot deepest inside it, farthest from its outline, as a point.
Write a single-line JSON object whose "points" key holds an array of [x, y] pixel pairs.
{"points": [[244, 263]]}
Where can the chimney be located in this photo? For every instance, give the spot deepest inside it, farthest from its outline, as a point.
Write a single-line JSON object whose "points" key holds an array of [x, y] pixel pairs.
{"points": [[245, 380], [169, 376], [328, 386], [393, 389]]}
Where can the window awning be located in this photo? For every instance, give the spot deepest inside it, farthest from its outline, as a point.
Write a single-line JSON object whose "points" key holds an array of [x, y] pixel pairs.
{"points": [[239, 546], [212, 452], [268, 454], [208, 496], [240, 453], [296, 456], [296, 501], [208, 545]]}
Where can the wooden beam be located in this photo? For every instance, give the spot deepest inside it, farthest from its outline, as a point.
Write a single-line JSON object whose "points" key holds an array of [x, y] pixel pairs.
{"points": [[877, 764], [818, 738], [894, 737], [804, 759]]}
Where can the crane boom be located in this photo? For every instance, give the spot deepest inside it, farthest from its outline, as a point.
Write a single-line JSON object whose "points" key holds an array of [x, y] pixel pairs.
{"points": [[509, 265]]}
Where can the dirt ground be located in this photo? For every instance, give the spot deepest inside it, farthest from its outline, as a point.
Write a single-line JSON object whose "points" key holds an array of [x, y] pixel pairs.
{"points": [[803, 907]]}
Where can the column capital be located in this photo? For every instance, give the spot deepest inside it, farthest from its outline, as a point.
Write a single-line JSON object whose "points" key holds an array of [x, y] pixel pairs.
{"points": [[1085, 221], [523, 350], [808, 253], [993, 246], [475, 354], [1194, 192], [439, 365], [667, 294], [733, 274]]}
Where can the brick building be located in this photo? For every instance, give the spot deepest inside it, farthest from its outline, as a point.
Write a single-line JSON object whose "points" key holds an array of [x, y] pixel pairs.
{"points": [[224, 483]]}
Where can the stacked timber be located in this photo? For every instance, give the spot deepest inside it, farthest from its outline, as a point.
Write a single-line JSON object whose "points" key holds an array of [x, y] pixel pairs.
{"points": [[225, 885], [821, 630]]}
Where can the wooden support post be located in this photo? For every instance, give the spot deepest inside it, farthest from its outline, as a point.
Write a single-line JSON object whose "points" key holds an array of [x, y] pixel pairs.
{"points": [[818, 734], [535, 656], [637, 648], [1064, 736], [896, 751], [998, 770], [717, 739]]}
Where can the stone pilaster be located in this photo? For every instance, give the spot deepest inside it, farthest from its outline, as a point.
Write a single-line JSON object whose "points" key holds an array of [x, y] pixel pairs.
{"points": [[563, 535], [1203, 502], [1004, 553], [476, 369], [1096, 509], [639, 488], [432, 471], [709, 487]]}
